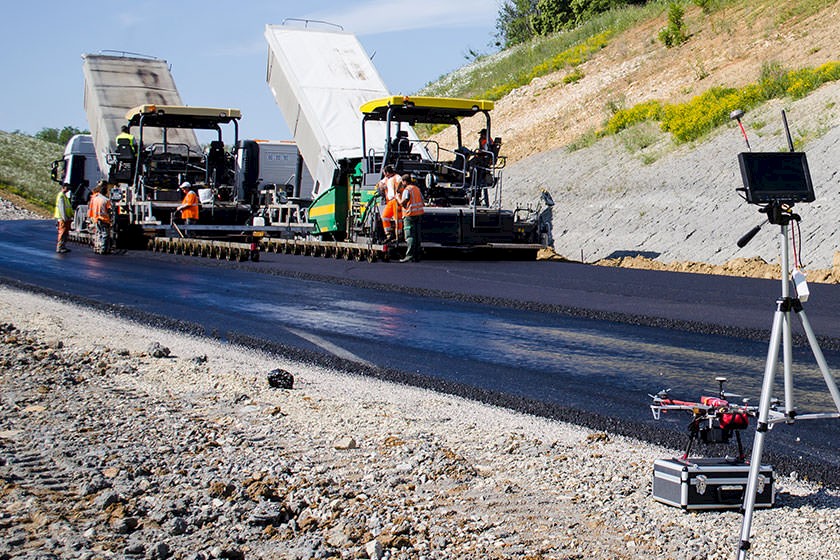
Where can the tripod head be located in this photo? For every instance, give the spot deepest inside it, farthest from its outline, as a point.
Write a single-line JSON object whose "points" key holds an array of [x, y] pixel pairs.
{"points": [[778, 213]]}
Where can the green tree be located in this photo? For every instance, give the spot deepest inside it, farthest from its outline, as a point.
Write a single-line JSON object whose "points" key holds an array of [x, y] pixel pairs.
{"points": [[552, 16], [514, 23], [520, 20], [57, 136]]}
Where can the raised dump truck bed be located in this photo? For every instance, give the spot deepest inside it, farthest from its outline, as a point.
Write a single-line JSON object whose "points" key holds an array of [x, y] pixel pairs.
{"points": [[319, 79], [116, 83]]}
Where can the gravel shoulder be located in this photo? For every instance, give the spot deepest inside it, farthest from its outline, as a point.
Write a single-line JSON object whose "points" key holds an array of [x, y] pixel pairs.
{"points": [[109, 451]]}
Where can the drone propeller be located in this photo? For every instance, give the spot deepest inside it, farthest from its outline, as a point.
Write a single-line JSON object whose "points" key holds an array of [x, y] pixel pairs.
{"points": [[663, 394]]}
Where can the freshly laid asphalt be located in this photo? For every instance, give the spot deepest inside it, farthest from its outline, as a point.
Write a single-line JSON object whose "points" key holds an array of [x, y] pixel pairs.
{"points": [[715, 312]]}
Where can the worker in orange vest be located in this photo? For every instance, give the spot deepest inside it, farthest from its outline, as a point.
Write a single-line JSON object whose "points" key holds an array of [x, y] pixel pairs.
{"points": [[189, 205], [411, 200], [99, 212]]}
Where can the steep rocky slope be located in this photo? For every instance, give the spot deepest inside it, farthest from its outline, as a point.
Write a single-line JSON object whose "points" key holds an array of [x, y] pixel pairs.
{"points": [[640, 193]]}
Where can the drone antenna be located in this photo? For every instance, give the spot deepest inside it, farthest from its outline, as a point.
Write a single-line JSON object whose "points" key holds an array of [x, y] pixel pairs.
{"points": [[787, 132], [736, 116]]}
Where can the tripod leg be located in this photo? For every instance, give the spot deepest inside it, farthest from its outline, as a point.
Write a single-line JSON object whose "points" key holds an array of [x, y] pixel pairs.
{"points": [[761, 432], [787, 360], [818, 356]]}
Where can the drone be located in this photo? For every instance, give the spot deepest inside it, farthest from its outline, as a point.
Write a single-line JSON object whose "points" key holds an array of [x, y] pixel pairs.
{"points": [[714, 419]]}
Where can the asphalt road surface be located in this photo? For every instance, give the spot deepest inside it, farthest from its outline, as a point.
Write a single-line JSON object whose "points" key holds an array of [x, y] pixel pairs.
{"points": [[576, 342]]}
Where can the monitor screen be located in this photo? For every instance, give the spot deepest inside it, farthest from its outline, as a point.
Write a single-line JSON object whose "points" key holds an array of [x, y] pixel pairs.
{"points": [[776, 177]]}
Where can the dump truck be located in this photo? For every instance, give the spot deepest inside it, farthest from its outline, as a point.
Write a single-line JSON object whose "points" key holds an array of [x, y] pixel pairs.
{"points": [[78, 168], [116, 82], [234, 178], [348, 127]]}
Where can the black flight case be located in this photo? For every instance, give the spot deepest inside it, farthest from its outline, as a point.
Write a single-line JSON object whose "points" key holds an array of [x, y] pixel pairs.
{"points": [[709, 483]]}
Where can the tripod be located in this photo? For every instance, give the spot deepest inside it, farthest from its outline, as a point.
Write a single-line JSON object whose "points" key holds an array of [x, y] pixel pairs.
{"points": [[780, 333]]}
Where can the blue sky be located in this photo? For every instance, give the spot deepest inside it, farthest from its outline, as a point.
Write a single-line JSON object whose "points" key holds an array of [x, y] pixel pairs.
{"points": [[217, 50]]}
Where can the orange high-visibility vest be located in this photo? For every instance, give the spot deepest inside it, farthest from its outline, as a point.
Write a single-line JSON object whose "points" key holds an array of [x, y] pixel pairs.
{"points": [[191, 210], [412, 201], [99, 209]]}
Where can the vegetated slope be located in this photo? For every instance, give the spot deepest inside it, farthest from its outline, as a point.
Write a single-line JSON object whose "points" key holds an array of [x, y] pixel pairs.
{"points": [[24, 168], [641, 192]]}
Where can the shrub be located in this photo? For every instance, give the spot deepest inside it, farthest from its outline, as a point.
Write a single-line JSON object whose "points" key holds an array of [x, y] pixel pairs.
{"points": [[802, 82], [572, 56], [498, 92], [625, 118], [674, 34], [573, 76], [690, 120], [773, 80]]}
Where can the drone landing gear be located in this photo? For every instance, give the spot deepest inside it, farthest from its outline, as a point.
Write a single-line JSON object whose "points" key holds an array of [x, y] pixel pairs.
{"points": [[716, 436]]}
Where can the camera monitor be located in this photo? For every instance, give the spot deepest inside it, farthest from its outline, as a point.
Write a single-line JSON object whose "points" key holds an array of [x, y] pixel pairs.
{"points": [[780, 177]]}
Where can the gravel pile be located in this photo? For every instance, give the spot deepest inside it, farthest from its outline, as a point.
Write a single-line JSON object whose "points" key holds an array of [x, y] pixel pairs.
{"points": [[10, 211], [121, 441]]}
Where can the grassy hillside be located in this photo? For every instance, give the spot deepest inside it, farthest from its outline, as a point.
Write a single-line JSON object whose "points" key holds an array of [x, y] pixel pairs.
{"points": [[25, 168], [494, 76], [614, 75]]}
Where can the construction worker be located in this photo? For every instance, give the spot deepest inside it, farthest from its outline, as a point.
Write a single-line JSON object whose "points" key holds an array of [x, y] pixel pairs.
{"points": [[63, 218], [411, 200], [189, 205], [389, 206], [128, 138], [482, 140], [99, 212]]}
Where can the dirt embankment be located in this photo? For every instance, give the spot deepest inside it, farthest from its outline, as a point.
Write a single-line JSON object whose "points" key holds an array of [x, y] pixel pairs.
{"points": [[639, 199], [726, 48]]}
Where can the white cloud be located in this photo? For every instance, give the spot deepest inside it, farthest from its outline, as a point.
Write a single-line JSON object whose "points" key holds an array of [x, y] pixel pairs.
{"points": [[385, 16]]}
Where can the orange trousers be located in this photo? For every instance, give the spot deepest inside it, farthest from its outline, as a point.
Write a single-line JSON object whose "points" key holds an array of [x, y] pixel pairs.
{"points": [[392, 213]]}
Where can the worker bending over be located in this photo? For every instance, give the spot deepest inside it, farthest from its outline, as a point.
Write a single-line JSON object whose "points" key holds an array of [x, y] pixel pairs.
{"points": [[388, 187]]}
